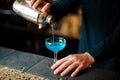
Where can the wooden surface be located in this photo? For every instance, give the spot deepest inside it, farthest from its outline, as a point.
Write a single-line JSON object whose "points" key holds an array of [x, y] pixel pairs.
{"points": [[40, 65]]}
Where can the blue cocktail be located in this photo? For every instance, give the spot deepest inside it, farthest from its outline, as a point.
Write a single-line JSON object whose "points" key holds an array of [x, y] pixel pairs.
{"points": [[55, 44]]}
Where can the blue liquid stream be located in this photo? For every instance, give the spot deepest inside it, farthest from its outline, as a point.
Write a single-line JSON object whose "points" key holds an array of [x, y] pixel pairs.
{"points": [[55, 46]]}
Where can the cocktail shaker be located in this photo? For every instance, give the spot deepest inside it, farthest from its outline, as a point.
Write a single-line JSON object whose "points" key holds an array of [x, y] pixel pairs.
{"points": [[22, 8]]}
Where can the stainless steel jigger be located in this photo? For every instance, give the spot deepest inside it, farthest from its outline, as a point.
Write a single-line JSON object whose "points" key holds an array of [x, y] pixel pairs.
{"points": [[22, 8]]}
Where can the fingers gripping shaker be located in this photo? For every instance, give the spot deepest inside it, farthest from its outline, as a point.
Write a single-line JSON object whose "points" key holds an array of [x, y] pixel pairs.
{"points": [[22, 8]]}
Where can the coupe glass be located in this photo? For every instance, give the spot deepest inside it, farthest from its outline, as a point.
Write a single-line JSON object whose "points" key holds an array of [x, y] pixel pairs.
{"points": [[55, 44]]}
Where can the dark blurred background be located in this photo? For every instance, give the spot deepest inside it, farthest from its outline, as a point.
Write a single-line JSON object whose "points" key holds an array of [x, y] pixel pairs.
{"points": [[20, 34]]}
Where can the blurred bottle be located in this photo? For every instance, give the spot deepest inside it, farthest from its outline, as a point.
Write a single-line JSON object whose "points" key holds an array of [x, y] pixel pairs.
{"points": [[22, 8]]}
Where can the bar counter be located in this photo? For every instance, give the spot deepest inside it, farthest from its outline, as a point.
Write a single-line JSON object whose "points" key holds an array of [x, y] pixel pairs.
{"points": [[40, 66]]}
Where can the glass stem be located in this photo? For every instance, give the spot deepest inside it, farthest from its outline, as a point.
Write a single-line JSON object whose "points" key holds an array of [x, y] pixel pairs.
{"points": [[55, 57]]}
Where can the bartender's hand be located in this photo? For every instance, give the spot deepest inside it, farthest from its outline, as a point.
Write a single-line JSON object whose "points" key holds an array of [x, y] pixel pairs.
{"points": [[76, 62], [42, 5]]}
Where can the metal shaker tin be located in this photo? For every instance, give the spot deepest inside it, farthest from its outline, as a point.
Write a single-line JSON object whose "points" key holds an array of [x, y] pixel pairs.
{"points": [[22, 8]]}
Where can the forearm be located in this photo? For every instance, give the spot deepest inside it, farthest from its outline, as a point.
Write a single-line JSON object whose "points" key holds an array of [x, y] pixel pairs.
{"points": [[61, 8], [107, 48]]}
